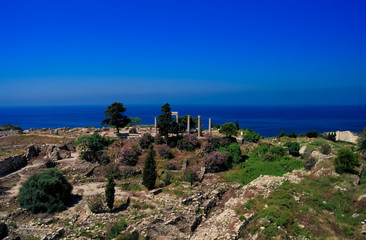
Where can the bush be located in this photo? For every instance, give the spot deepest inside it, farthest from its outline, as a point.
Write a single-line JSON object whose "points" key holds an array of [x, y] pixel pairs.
{"points": [[91, 145], [345, 161], [112, 170], [172, 165], [127, 172], [159, 139], [115, 228], [309, 163], [129, 157], [47, 191], [216, 126], [165, 152], [190, 175], [146, 140], [228, 129], [293, 148], [189, 143], [326, 149], [96, 203], [251, 136], [216, 162], [234, 152]]}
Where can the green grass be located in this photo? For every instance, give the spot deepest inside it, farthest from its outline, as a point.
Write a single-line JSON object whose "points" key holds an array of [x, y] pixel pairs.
{"points": [[130, 187], [256, 165], [324, 211]]}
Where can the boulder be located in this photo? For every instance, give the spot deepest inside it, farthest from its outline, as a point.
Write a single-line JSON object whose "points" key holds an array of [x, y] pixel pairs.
{"points": [[32, 152]]}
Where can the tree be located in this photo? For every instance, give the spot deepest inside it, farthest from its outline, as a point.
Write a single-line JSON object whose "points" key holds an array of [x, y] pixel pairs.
{"points": [[109, 191], [115, 117], [237, 125], [165, 121], [293, 134], [228, 129], [216, 126], [282, 134], [135, 120], [149, 173], [47, 191], [345, 161]]}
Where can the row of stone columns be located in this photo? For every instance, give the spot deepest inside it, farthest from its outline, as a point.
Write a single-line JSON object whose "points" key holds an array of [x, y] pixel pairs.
{"points": [[189, 126]]}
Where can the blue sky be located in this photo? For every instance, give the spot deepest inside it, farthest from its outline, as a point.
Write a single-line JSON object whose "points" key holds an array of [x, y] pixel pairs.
{"points": [[183, 52]]}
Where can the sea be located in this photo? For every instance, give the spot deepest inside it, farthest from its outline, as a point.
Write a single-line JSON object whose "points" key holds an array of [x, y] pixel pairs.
{"points": [[266, 120]]}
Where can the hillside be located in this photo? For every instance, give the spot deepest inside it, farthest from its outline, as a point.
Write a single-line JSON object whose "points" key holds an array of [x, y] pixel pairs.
{"points": [[207, 188]]}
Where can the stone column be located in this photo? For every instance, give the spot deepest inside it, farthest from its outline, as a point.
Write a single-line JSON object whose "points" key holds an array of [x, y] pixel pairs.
{"points": [[209, 126], [188, 124], [177, 117], [199, 126], [156, 128]]}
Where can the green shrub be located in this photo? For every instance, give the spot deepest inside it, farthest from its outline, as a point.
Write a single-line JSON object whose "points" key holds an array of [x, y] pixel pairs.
{"points": [[345, 161], [293, 148], [115, 228], [47, 191], [326, 149], [312, 134], [228, 129], [251, 136], [282, 134], [234, 152], [90, 146]]}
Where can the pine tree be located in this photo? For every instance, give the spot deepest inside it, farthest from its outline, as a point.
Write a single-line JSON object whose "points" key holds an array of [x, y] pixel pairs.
{"points": [[165, 121], [149, 173], [109, 191], [115, 117]]}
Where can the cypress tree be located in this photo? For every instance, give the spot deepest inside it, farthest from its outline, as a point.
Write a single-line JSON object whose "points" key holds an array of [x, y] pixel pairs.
{"points": [[237, 125], [149, 173], [109, 191]]}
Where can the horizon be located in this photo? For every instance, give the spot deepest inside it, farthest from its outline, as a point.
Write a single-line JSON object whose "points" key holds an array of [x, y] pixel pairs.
{"points": [[193, 53]]}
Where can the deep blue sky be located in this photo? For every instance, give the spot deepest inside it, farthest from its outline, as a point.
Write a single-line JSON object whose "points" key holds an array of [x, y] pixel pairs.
{"points": [[195, 52]]}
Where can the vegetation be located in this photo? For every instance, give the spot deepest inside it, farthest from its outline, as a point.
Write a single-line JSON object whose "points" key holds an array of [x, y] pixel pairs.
{"points": [[116, 119], [165, 121], [282, 134], [325, 149], [264, 160], [237, 125], [135, 120], [165, 151], [96, 203], [234, 152], [7, 127], [312, 134], [346, 161], [129, 156], [189, 143], [293, 148], [109, 192], [293, 134], [361, 144], [146, 140], [90, 146], [318, 205], [228, 129], [47, 191], [149, 173], [251, 136], [216, 162]]}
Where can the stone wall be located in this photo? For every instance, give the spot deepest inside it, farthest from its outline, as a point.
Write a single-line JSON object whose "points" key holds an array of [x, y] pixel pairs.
{"points": [[11, 164]]}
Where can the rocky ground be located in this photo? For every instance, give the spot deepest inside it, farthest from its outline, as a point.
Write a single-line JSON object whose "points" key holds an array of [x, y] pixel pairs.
{"points": [[210, 209]]}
